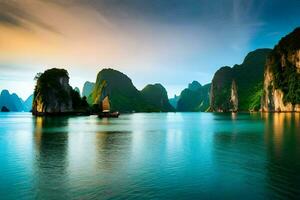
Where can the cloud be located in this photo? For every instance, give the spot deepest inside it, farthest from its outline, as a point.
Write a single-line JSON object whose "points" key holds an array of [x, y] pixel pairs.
{"points": [[13, 13], [190, 38]]}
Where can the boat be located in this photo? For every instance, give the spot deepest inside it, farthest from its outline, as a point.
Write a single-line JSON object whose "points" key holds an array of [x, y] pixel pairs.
{"points": [[106, 113], [109, 115]]}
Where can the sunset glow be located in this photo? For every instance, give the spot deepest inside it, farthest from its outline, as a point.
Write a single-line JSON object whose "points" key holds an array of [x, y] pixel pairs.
{"points": [[153, 41]]}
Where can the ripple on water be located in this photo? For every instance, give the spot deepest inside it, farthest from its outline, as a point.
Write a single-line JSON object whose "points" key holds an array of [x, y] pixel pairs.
{"points": [[150, 156]]}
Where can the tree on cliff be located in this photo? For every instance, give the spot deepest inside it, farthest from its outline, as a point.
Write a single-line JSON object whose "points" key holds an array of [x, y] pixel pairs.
{"points": [[248, 78], [283, 65], [53, 94]]}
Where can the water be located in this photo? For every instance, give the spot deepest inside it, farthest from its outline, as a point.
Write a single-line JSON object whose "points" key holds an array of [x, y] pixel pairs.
{"points": [[150, 156]]}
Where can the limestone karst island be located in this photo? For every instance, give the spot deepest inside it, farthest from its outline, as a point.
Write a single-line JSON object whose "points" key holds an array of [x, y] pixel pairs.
{"points": [[126, 99], [268, 80]]}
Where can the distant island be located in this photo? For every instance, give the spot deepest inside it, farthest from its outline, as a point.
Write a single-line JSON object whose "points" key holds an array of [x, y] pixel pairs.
{"points": [[13, 103], [268, 80]]}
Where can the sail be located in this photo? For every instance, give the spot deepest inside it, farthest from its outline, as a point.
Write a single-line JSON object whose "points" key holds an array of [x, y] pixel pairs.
{"points": [[105, 104]]}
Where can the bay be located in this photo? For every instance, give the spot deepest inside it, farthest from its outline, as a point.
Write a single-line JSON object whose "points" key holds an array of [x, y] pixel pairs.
{"points": [[150, 156]]}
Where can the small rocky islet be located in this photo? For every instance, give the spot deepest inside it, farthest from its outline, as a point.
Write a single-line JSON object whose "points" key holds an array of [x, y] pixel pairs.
{"points": [[54, 96], [268, 80]]}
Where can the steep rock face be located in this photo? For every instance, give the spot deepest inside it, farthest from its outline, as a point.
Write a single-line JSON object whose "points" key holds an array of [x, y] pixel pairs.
{"points": [[247, 79], [281, 89], [11, 101], [87, 88], [234, 100], [28, 103], [220, 90], [54, 95], [123, 96], [156, 95], [52, 92], [194, 99]]}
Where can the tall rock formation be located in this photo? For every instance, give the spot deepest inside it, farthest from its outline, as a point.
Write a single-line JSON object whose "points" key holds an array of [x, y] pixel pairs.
{"points": [[87, 89], [123, 95], [54, 95], [220, 90], [11, 101], [156, 95], [281, 89], [195, 98], [234, 100], [239, 88], [28, 104]]}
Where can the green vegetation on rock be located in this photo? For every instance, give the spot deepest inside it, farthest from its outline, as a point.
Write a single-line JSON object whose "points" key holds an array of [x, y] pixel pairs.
{"points": [[255, 98], [248, 77], [220, 89], [87, 88], [123, 95], [51, 81], [53, 94], [156, 95], [283, 61], [195, 98]]}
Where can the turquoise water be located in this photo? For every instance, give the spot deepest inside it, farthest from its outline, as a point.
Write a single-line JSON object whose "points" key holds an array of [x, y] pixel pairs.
{"points": [[150, 156]]}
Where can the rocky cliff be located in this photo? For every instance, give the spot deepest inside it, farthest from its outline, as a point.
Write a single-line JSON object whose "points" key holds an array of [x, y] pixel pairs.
{"points": [[220, 90], [234, 99], [156, 95], [123, 95], [195, 98], [239, 88], [28, 104], [54, 95], [11, 101], [281, 89], [87, 88]]}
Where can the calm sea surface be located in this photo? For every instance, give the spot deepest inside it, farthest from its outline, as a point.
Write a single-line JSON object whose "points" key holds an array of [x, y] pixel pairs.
{"points": [[150, 156]]}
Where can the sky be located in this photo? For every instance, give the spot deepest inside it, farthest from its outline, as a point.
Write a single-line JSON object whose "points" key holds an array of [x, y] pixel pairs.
{"points": [[171, 42]]}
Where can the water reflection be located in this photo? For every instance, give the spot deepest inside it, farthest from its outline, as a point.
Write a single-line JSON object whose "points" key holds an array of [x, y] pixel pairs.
{"points": [[50, 157], [70, 153], [155, 156], [282, 139], [238, 156], [112, 149]]}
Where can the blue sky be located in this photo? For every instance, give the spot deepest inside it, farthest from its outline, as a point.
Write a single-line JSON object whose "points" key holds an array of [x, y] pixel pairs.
{"points": [[171, 42]]}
